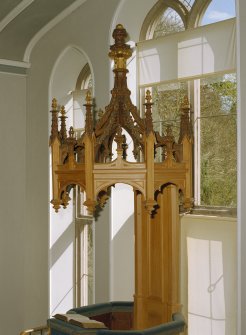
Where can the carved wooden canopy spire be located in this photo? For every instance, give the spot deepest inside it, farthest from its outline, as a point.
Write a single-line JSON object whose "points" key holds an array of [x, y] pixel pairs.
{"points": [[120, 111]]}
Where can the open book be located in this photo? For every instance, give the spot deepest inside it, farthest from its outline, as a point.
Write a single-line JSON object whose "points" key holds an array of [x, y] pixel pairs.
{"points": [[80, 320]]}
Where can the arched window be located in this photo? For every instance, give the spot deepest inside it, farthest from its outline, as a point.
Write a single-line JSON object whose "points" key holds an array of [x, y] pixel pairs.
{"points": [[212, 95], [169, 22]]}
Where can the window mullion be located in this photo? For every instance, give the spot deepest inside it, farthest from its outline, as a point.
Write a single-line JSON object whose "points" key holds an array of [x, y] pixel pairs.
{"points": [[197, 143]]}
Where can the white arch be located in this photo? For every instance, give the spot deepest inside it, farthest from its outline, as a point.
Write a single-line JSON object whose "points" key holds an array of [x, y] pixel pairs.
{"points": [[126, 15], [59, 58], [49, 26]]}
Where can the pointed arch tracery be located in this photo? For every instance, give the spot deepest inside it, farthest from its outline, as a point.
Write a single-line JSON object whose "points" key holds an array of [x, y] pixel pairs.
{"points": [[189, 12]]}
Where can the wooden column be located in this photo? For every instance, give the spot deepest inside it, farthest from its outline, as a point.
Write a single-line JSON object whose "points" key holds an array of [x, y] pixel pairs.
{"points": [[157, 260], [141, 267]]}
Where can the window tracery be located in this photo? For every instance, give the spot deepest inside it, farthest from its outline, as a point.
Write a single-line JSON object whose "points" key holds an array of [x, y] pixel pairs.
{"points": [[170, 22], [188, 3]]}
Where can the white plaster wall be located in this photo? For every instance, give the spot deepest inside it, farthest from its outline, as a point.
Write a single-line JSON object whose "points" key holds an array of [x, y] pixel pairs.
{"points": [[209, 274], [241, 77], [13, 239], [61, 265], [132, 14], [62, 226], [102, 255], [122, 270], [72, 31]]}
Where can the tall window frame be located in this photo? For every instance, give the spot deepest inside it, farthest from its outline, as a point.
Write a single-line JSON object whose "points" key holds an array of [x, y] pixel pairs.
{"points": [[192, 16]]}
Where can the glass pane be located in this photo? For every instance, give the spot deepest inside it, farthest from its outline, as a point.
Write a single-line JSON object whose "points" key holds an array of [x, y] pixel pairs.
{"points": [[218, 136], [170, 22], [167, 99], [219, 10], [188, 3]]}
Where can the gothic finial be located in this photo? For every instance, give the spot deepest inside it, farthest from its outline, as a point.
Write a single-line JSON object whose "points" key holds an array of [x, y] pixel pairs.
{"points": [[71, 132], [185, 121], [54, 104], [185, 103], [54, 122], [119, 26], [148, 112], [63, 112], [88, 114], [148, 96], [71, 141], [119, 139], [88, 98], [169, 144], [63, 130]]}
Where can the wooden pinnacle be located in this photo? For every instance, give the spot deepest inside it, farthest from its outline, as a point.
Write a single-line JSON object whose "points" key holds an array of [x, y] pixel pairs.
{"points": [[71, 132], [185, 103], [148, 96], [63, 112], [88, 98], [54, 104]]}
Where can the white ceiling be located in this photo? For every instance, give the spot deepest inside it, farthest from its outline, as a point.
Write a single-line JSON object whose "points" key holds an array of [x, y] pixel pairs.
{"points": [[23, 20]]}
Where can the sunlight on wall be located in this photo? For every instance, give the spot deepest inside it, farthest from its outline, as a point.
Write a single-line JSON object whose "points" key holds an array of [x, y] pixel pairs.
{"points": [[206, 300], [62, 297], [69, 113], [122, 243], [61, 260], [122, 207], [208, 274]]}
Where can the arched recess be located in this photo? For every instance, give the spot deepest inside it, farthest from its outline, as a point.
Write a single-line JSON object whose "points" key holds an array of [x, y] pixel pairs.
{"points": [[84, 78], [64, 226]]}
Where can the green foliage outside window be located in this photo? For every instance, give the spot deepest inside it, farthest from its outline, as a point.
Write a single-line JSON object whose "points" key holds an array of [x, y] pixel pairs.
{"points": [[218, 134], [167, 99], [169, 22]]}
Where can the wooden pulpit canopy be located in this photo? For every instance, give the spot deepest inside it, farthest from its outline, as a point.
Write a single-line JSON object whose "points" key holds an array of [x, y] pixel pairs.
{"points": [[87, 161]]}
